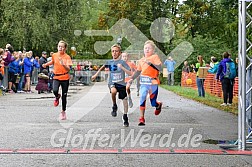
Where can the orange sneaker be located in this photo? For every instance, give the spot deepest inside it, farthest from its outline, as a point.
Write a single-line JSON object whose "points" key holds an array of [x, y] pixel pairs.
{"points": [[158, 108], [56, 101], [141, 121]]}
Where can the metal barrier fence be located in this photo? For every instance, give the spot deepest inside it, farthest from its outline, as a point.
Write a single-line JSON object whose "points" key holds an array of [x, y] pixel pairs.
{"points": [[84, 77]]}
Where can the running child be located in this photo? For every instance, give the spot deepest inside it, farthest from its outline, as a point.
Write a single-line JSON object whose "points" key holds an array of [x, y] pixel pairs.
{"points": [[116, 83], [62, 63], [148, 68], [125, 57]]}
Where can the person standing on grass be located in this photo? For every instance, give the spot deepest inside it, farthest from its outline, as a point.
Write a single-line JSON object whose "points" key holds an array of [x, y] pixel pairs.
{"points": [[116, 83], [170, 65], [214, 67], [62, 64], [199, 81], [226, 74]]}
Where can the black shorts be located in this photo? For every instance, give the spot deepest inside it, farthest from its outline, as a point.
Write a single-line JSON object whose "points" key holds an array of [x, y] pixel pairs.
{"points": [[120, 89], [12, 77]]}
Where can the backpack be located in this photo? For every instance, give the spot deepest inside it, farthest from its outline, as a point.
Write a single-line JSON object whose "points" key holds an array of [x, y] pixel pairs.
{"points": [[230, 70]]}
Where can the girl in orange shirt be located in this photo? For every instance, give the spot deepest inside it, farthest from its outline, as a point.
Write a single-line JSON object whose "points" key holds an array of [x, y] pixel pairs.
{"points": [[62, 64]]}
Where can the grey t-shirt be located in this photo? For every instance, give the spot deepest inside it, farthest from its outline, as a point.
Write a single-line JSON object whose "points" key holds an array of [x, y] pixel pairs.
{"points": [[116, 75]]}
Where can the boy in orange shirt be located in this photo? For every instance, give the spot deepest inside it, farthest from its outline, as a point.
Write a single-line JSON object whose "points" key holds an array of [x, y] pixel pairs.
{"points": [[125, 57], [62, 63], [148, 68]]}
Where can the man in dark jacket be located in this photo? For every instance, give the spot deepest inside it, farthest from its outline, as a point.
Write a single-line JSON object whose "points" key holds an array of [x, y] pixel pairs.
{"points": [[43, 60], [227, 83]]}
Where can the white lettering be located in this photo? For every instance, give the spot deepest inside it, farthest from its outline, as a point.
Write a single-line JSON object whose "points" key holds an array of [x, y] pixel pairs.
{"points": [[186, 137], [169, 138], [61, 140]]}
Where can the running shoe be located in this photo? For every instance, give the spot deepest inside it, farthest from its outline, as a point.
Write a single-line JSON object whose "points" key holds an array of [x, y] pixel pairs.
{"points": [[130, 103], [114, 111], [63, 115], [158, 108], [125, 120], [56, 101], [141, 121]]}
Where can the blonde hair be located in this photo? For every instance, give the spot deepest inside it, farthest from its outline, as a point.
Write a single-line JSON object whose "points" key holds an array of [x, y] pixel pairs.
{"points": [[1, 51], [151, 43], [116, 46], [27, 54], [126, 53]]}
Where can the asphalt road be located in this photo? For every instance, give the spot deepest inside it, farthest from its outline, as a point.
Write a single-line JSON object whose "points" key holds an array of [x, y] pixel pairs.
{"points": [[32, 134]]}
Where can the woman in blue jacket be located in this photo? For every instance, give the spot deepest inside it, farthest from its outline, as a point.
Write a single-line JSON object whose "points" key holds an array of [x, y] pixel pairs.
{"points": [[12, 74], [226, 82], [214, 69], [28, 63]]}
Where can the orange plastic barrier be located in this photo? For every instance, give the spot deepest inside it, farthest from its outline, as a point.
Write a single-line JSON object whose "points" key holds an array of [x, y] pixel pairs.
{"points": [[211, 85]]}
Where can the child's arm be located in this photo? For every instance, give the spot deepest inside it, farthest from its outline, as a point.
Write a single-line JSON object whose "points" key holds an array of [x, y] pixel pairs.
{"points": [[95, 75], [158, 67], [134, 76], [124, 69], [47, 64]]}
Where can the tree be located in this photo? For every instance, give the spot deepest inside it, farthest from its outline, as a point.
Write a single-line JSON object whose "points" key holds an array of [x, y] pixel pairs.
{"points": [[39, 25]]}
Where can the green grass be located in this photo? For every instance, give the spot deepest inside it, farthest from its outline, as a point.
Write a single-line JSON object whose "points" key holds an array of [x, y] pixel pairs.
{"points": [[209, 99]]}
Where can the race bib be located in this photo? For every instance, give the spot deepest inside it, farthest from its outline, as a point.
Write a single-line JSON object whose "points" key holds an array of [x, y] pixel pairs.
{"points": [[145, 80], [116, 77]]}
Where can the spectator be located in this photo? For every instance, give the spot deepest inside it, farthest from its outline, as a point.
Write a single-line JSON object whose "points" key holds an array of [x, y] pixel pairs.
{"points": [[214, 67], [8, 58], [36, 68], [50, 74], [28, 63], [21, 72], [1, 68], [226, 75], [186, 67], [236, 65], [186, 72], [170, 65], [43, 60], [199, 81], [211, 62], [43, 79], [13, 72], [51, 66]]}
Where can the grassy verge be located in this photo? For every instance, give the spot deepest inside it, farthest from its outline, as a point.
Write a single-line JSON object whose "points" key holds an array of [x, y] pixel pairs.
{"points": [[209, 100]]}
